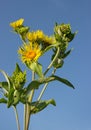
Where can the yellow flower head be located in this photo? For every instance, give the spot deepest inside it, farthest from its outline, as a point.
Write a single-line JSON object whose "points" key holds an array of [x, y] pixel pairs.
{"points": [[30, 52], [40, 36], [34, 36], [49, 40], [17, 23]]}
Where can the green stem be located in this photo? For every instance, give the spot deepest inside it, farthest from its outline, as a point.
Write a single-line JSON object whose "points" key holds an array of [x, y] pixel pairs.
{"points": [[27, 108], [43, 90], [51, 64], [17, 118], [54, 59], [53, 72]]}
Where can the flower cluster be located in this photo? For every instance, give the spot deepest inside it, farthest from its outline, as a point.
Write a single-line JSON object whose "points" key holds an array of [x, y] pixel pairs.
{"points": [[34, 45], [34, 42], [40, 36]]}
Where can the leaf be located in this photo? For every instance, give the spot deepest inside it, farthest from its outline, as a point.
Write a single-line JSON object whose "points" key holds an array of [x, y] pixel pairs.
{"points": [[65, 81], [16, 97], [4, 85], [6, 77], [40, 105], [67, 53], [2, 100], [37, 68], [36, 83], [17, 68], [10, 98]]}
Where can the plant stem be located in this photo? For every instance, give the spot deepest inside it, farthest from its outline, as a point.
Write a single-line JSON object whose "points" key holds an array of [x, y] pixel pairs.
{"points": [[43, 90], [17, 118], [54, 59], [45, 86], [27, 108]]}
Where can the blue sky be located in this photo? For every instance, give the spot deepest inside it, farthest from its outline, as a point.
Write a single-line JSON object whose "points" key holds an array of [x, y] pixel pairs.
{"points": [[73, 110]]}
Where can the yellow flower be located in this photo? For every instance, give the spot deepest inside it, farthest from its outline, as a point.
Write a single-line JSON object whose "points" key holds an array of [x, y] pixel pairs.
{"points": [[49, 40], [30, 52], [17, 23], [39, 35], [33, 36]]}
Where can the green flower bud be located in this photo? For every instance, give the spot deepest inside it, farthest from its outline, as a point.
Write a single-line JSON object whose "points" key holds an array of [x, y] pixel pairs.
{"points": [[18, 78], [58, 63], [63, 33]]}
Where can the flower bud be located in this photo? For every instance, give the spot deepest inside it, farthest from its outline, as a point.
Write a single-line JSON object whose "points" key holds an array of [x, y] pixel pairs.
{"points": [[63, 33]]}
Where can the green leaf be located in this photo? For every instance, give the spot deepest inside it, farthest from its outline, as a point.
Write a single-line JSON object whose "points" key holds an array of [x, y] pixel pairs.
{"points": [[10, 97], [17, 68], [63, 80], [40, 105], [71, 36], [6, 77], [67, 53], [36, 83], [4, 85], [37, 68], [2, 100], [16, 97]]}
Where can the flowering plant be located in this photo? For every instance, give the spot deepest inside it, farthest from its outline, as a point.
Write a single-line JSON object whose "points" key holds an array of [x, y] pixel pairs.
{"points": [[34, 45]]}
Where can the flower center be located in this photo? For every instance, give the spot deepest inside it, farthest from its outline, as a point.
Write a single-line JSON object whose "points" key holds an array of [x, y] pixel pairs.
{"points": [[31, 54]]}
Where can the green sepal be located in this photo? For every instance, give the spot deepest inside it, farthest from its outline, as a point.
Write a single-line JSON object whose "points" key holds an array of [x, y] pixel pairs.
{"points": [[3, 100], [70, 36], [37, 68], [40, 105], [22, 30]]}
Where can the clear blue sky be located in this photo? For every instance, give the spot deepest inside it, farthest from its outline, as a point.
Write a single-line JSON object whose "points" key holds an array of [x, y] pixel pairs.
{"points": [[73, 110]]}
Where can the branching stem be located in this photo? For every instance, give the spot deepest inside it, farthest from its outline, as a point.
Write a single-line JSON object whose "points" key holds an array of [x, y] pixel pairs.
{"points": [[51, 64]]}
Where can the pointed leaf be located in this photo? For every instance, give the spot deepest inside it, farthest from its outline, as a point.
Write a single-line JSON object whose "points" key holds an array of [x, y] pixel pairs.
{"points": [[65, 81], [10, 98], [67, 53], [17, 68], [4, 85], [6, 77], [16, 97], [36, 83], [40, 105], [2, 100]]}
